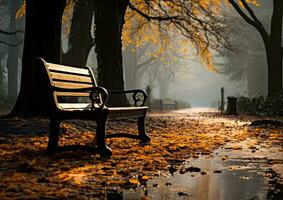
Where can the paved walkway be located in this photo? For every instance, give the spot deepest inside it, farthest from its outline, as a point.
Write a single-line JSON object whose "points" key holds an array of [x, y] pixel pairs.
{"points": [[198, 145]]}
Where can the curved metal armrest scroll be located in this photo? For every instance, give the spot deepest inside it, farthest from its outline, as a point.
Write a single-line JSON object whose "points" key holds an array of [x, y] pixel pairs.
{"points": [[99, 97], [139, 96]]}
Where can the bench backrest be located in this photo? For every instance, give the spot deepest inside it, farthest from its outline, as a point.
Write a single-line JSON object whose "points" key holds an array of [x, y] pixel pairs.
{"points": [[69, 77]]}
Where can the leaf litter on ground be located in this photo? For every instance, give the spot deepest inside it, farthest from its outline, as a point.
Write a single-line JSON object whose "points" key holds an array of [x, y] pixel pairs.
{"points": [[26, 173]]}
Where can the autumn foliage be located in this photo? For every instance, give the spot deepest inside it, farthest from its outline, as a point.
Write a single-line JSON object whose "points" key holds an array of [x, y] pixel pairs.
{"points": [[186, 27]]}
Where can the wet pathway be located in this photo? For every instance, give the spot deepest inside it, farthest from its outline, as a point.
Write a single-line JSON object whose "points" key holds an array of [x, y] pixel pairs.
{"points": [[229, 173], [246, 165], [214, 178]]}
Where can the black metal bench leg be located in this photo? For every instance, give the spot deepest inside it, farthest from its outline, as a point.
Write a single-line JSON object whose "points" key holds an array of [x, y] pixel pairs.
{"points": [[141, 127], [53, 136], [103, 149]]}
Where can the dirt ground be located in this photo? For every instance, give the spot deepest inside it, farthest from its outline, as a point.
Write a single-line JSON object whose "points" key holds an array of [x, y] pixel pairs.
{"points": [[27, 173]]}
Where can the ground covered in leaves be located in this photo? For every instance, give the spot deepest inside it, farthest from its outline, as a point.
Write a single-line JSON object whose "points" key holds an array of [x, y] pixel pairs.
{"points": [[26, 173]]}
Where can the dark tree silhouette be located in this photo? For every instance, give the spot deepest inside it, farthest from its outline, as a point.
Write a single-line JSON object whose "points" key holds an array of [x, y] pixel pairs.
{"points": [[108, 30], [80, 40], [42, 39], [109, 21], [272, 41]]}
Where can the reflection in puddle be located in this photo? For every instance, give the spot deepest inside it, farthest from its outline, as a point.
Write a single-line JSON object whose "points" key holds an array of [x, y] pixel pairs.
{"points": [[231, 179]]}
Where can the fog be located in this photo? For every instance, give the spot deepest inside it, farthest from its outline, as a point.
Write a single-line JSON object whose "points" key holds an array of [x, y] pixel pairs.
{"points": [[201, 87], [241, 73], [244, 73]]}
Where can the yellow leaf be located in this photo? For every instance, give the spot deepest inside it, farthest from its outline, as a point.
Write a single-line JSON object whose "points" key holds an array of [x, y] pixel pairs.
{"points": [[145, 178], [134, 182], [115, 182]]}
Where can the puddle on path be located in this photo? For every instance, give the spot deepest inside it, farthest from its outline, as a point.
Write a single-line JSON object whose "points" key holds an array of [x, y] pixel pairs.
{"points": [[213, 178]]}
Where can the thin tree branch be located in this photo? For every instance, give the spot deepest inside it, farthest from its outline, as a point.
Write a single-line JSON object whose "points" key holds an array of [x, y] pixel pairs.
{"points": [[204, 29], [146, 62], [242, 14], [10, 33], [11, 45], [251, 12], [254, 21], [142, 50], [146, 67], [149, 18]]}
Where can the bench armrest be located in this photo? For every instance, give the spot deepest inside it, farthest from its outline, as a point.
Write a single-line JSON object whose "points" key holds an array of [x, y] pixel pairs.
{"points": [[101, 93], [138, 95]]}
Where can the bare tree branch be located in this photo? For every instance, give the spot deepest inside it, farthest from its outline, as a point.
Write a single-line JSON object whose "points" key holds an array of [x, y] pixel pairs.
{"points": [[251, 12], [149, 18], [144, 68], [143, 49], [11, 45], [242, 14], [146, 62], [254, 21], [10, 33]]}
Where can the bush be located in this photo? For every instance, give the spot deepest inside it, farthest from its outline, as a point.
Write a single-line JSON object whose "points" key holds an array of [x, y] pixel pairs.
{"points": [[261, 105]]}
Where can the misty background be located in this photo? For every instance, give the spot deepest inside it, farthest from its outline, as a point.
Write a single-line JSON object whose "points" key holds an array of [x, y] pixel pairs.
{"points": [[242, 72]]}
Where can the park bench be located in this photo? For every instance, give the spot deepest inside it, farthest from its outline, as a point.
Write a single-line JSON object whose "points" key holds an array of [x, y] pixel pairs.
{"points": [[163, 104], [79, 83]]}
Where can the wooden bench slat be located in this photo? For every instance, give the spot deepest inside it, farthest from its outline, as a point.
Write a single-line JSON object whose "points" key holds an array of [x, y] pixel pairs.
{"points": [[71, 85], [71, 77], [75, 94], [74, 106], [111, 110], [63, 68]]}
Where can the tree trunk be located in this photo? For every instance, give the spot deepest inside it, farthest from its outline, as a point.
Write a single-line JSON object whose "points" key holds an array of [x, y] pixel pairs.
{"points": [[80, 39], [257, 80], [109, 21], [274, 52], [231, 106], [13, 56], [130, 66], [42, 39], [163, 80]]}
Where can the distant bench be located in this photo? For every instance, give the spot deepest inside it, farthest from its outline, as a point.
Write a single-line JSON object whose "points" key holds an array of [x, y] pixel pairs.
{"points": [[78, 83], [163, 104]]}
